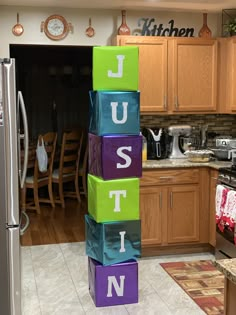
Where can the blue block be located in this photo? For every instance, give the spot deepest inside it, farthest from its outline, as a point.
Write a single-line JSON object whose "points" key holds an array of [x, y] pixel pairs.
{"points": [[114, 113], [113, 242]]}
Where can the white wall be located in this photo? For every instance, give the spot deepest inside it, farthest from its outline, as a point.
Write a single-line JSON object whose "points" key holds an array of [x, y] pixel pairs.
{"points": [[105, 23]]}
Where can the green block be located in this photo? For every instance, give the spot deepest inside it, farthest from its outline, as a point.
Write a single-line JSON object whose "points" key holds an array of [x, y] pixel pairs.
{"points": [[115, 68], [113, 200]]}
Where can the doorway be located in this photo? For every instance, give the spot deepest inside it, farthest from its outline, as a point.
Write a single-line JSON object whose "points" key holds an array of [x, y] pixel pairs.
{"points": [[55, 82]]}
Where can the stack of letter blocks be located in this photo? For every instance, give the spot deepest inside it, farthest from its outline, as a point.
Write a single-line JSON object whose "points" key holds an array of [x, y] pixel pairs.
{"points": [[113, 226]]}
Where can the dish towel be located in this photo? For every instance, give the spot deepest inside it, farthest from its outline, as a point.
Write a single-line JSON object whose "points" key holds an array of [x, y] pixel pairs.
{"points": [[229, 213], [220, 200]]}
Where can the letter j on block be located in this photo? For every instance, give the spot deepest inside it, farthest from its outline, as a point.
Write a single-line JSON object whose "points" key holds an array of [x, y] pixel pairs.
{"points": [[113, 285], [115, 68]]}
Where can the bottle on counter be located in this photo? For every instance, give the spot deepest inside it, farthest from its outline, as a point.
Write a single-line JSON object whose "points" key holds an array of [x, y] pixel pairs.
{"points": [[144, 149]]}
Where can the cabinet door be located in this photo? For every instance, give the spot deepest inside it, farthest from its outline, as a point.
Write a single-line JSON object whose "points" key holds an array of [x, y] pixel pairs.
{"points": [[183, 214], [152, 204], [231, 88], [212, 220], [152, 71], [194, 75]]}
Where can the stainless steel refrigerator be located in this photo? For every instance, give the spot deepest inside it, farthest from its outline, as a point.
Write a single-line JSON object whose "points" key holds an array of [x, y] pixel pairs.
{"points": [[12, 175]]}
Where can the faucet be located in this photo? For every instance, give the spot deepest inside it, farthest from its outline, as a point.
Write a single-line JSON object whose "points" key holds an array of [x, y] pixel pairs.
{"points": [[203, 133]]}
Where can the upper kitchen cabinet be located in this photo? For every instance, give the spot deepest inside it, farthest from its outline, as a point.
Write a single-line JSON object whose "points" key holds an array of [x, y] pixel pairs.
{"points": [[227, 75], [192, 74], [152, 70], [176, 75]]}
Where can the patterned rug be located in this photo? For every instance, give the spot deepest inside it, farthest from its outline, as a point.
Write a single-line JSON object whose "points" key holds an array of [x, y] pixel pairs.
{"points": [[201, 281]]}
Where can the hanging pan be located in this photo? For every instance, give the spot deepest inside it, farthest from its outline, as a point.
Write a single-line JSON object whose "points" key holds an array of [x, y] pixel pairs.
{"points": [[90, 32], [17, 29]]}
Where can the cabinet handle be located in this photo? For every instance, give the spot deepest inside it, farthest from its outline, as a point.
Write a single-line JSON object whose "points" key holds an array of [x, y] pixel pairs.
{"points": [[166, 177], [171, 200], [165, 102], [176, 102], [160, 200]]}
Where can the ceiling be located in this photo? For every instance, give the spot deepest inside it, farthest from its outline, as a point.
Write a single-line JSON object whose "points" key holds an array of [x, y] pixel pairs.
{"points": [[174, 5]]}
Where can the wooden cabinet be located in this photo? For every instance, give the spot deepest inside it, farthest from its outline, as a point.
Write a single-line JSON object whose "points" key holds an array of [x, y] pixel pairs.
{"points": [[152, 70], [227, 75], [172, 206], [183, 214], [175, 74], [212, 211]]}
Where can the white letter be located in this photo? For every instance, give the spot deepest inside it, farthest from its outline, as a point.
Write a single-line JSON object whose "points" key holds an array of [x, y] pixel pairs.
{"points": [[122, 241], [119, 289], [119, 74], [117, 194], [127, 158], [114, 112]]}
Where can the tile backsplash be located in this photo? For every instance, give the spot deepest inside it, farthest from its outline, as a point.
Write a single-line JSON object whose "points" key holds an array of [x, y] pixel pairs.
{"points": [[218, 124]]}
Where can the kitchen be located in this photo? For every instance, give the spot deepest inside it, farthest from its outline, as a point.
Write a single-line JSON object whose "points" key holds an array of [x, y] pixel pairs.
{"points": [[223, 124]]}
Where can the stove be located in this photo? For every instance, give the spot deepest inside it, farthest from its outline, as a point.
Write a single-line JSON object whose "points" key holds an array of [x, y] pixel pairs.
{"points": [[225, 245], [227, 176]]}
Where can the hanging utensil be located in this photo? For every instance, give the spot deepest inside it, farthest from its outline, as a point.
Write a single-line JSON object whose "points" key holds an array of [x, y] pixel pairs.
{"points": [[17, 29], [90, 32]]}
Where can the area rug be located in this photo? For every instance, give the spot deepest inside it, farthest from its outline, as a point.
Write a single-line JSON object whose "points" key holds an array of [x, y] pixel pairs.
{"points": [[201, 281]]}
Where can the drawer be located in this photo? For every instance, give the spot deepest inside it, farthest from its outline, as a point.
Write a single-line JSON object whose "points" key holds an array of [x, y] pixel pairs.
{"points": [[166, 177]]}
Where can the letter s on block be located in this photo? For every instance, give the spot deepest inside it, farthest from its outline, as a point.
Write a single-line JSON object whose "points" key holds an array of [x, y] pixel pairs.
{"points": [[124, 156], [119, 74], [119, 289]]}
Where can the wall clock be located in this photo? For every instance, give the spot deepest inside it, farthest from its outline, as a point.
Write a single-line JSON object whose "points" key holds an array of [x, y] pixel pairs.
{"points": [[56, 27]]}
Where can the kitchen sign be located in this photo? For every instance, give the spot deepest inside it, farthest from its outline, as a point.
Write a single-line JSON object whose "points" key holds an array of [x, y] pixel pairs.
{"points": [[149, 28]]}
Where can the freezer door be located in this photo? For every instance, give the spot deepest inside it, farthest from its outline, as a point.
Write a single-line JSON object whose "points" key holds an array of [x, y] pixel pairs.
{"points": [[9, 181], [10, 279]]}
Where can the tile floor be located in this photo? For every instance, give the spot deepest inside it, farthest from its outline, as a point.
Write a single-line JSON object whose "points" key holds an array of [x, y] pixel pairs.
{"points": [[55, 282]]}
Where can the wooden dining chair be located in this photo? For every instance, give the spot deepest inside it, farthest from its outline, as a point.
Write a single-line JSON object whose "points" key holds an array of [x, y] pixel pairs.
{"points": [[38, 179], [83, 171], [68, 166]]}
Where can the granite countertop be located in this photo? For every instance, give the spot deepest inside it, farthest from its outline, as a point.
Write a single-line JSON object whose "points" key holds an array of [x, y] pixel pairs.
{"points": [[173, 163], [228, 268]]}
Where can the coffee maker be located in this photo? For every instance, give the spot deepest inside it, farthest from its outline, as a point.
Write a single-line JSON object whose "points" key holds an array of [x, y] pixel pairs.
{"points": [[157, 143]]}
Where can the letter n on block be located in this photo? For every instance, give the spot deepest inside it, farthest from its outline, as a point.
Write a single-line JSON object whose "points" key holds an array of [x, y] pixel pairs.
{"points": [[114, 113], [115, 156], [115, 68], [113, 242], [113, 200], [113, 285]]}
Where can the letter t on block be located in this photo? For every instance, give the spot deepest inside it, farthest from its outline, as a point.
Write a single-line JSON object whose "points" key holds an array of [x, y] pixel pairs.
{"points": [[117, 194]]}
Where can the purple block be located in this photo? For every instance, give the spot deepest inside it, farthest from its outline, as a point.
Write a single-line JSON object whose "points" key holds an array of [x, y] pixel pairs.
{"points": [[115, 156], [113, 285]]}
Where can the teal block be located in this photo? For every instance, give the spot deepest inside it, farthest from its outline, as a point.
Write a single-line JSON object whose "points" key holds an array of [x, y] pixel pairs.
{"points": [[113, 200], [115, 68]]}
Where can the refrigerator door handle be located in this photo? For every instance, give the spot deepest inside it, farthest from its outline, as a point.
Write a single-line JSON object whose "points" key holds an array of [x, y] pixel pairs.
{"points": [[25, 136]]}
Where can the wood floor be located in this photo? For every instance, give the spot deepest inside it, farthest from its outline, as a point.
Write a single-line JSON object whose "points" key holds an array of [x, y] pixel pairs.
{"points": [[56, 225]]}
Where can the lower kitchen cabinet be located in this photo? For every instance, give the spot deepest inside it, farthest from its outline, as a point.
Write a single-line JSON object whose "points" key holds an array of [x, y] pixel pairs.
{"points": [[151, 204], [183, 214], [174, 207]]}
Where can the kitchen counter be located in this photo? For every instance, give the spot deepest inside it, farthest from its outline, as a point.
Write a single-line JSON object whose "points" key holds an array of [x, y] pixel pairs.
{"points": [[228, 268], [174, 163]]}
